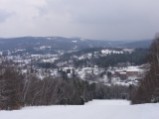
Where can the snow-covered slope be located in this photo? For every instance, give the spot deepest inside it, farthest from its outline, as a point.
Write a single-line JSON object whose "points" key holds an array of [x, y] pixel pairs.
{"points": [[93, 110]]}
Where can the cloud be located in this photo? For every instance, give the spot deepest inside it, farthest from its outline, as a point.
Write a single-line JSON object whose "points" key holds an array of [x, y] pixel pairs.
{"points": [[97, 19], [110, 19], [4, 15]]}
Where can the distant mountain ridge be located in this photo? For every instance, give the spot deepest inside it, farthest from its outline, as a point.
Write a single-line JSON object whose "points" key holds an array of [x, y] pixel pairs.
{"points": [[139, 44], [62, 43]]}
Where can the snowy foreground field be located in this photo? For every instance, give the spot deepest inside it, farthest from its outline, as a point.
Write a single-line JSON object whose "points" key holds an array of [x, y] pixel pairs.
{"points": [[97, 109]]}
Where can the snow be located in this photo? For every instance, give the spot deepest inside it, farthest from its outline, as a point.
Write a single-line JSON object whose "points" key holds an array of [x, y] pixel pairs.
{"points": [[44, 47], [108, 51], [49, 38], [97, 109], [50, 60], [129, 69], [128, 50], [108, 102], [74, 41], [134, 68]]}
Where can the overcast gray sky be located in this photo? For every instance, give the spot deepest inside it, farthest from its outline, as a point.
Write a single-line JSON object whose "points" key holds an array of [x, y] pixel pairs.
{"points": [[95, 19]]}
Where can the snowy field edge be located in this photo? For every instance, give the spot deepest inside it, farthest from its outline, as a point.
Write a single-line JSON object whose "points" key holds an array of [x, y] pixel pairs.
{"points": [[96, 109]]}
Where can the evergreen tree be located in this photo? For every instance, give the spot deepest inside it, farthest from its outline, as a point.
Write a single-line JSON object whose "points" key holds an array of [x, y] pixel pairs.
{"points": [[10, 88], [148, 88]]}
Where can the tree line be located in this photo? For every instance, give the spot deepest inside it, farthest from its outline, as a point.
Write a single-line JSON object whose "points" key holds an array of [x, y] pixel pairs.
{"points": [[18, 90], [137, 57], [148, 89]]}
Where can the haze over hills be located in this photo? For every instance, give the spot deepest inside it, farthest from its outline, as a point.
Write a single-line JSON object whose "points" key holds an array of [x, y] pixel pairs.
{"points": [[138, 44], [61, 43]]}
